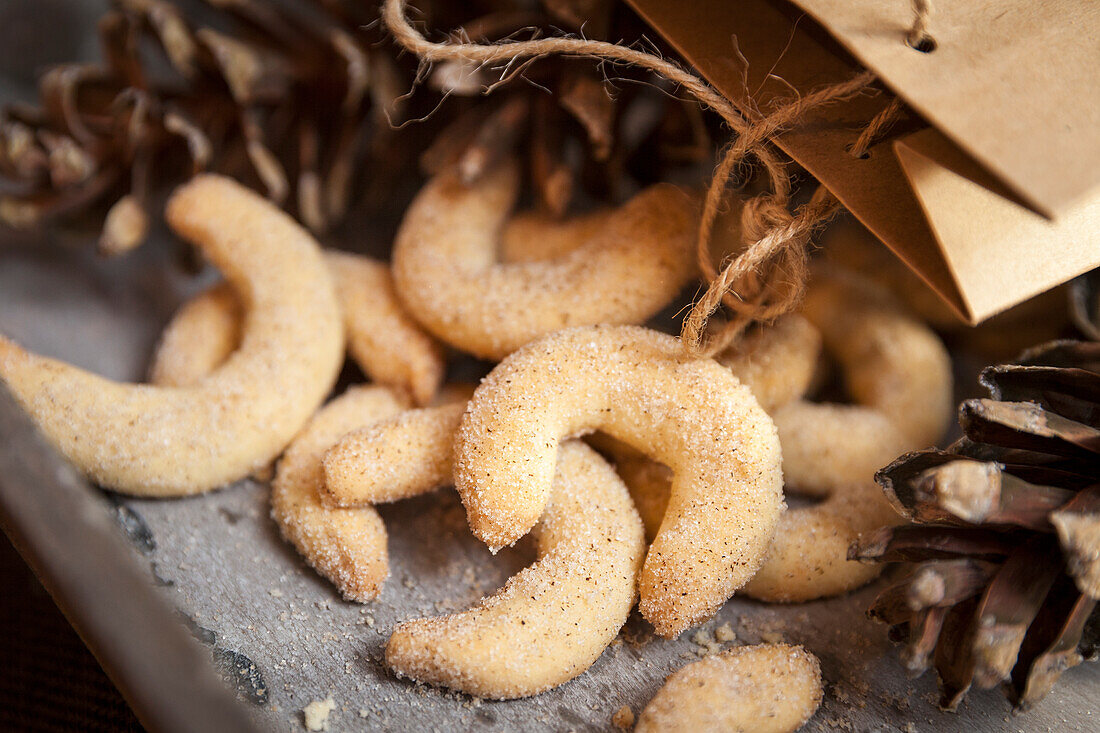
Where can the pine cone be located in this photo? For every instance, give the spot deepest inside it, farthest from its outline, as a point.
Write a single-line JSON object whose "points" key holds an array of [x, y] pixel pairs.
{"points": [[295, 98], [299, 98], [1004, 544], [575, 128]]}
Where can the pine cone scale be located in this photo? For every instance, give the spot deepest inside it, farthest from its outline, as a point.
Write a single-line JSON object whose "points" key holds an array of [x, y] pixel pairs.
{"points": [[1005, 532]]}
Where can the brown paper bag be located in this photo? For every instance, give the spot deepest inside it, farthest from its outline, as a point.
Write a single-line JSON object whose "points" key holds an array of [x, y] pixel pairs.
{"points": [[995, 197]]}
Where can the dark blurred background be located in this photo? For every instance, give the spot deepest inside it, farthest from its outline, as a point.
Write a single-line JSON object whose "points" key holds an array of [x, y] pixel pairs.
{"points": [[48, 679]]}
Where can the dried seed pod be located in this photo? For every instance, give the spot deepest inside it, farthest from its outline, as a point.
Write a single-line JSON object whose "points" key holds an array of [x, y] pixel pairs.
{"points": [[236, 92], [978, 492], [237, 80], [1078, 527], [1007, 540], [592, 104]]}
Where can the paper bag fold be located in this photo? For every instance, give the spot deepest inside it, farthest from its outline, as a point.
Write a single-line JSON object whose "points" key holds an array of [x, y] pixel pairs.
{"points": [[955, 221]]}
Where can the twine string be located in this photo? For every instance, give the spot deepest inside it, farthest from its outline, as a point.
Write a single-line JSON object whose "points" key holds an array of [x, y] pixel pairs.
{"points": [[922, 18], [767, 278]]}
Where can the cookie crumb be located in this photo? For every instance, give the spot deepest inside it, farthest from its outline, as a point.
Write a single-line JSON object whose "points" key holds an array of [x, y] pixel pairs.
{"points": [[623, 719], [315, 715], [724, 633], [705, 643], [275, 593]]}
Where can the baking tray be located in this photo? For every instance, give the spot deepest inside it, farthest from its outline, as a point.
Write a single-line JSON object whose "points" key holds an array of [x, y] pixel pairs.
{"points": [[283, 638]]}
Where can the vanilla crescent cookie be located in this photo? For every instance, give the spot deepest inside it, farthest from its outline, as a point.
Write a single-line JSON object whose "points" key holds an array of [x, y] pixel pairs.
{"points": [[899, 372], [841, 447], [830, 451], [382, 339], [533, 236], [638, 386], [808, 558], [398, 458], [553, 619], [446, 267], [388, 461], [768, 688], [347, 546], [202, 334], [892, 362], [777, 362], [161, 441]]}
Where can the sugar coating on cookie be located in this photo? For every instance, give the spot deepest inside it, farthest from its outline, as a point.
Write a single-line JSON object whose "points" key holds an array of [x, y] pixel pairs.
{"points": [[900, 373], [828, 445], [387, 461], [777, 362], [891, 361], [768, 688], [446, 267], [553, 619], [648, 481], [383, 340], [202, 334], [158, 441], [638, 386], [830, 451], [836, 450], [533, 236], [347, 546]]}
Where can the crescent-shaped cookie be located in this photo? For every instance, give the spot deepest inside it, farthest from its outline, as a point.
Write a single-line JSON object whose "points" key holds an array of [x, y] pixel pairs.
{"points": [[393, 459], [446, 267], [844, 445], [158, 441], [553, 619], [767, 688], [382, 339], [638, 386], [892, 362], [347, 546], [778, 362]]}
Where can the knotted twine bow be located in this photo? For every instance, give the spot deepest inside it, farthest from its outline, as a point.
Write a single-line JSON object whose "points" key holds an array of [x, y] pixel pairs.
{"points": [[768, 277]]}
